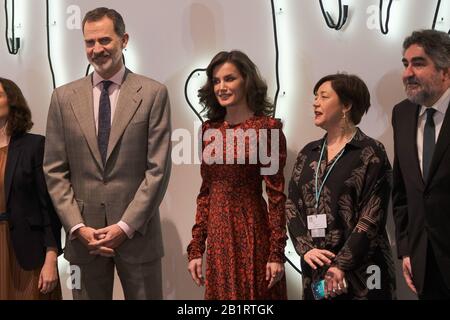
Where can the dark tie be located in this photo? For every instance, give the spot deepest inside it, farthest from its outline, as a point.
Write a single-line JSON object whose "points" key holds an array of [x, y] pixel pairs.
{"points": [[429, 141], [104, 120]]}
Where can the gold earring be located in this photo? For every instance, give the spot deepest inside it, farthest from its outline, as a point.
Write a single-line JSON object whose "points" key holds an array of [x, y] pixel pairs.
{"points": [[346, 125]]}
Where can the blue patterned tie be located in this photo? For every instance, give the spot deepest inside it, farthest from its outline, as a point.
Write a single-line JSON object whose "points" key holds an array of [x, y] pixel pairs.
{"points": [[104, 120], [429, 141]]}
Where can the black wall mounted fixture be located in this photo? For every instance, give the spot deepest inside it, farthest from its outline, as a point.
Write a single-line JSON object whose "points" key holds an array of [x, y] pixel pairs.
{"points": [[436, 13], [343, 15], [385, 26], [186, 92], [49, 56], [12, 43]]}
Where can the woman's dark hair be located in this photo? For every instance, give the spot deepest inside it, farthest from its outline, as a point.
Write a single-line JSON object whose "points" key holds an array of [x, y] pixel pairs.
{"points": [[351, 90], [19, 118], [255, 86]]}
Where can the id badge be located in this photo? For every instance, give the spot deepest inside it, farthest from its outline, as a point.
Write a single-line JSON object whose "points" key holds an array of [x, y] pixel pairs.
{"points": [[318, 233], [317, 221]]}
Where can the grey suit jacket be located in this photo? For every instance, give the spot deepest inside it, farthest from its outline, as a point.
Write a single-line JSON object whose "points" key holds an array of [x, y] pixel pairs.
{"points": [[131, 185]]}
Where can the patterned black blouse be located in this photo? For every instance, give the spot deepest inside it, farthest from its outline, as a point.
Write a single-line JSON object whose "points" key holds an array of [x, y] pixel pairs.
{"points": [[355, 199]]}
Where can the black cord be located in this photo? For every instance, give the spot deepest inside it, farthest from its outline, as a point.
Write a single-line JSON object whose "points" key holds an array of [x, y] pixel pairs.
{"points": [[277, 72], [293, 265], [385, 28], [325, 16], [87, 70], [277, 75], [13, 47], [48, 44], [186, 92], [436, 12], [342, 19], [343, 15], [277, 57]]}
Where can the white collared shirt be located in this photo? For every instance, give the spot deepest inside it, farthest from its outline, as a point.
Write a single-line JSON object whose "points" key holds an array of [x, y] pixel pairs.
{"points": [[441, 107], [114, 90]]}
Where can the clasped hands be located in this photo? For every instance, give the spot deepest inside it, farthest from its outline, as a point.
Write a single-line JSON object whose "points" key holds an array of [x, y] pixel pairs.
{"points": [[101, 241], [334, 278]]}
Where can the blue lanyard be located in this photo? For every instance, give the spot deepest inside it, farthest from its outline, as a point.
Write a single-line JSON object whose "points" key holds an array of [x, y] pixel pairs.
{"points": [[318, 192]]}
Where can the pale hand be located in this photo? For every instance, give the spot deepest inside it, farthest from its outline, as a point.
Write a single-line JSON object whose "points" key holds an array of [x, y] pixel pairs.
{"points": [[274, 273], [318, 258], [195, 269], [48, 278], [407, 273], [334, 282]]}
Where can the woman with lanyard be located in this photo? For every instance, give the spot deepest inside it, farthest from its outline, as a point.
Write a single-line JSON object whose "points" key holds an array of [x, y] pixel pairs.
{"points": [[338, 200]]}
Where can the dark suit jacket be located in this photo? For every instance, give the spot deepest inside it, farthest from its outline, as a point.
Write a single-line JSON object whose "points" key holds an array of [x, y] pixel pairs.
{"points": [[34, 225], [421, 208]]}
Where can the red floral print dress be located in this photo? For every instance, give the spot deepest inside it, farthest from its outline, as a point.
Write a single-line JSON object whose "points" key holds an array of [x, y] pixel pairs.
{"points": [[242, 234]]}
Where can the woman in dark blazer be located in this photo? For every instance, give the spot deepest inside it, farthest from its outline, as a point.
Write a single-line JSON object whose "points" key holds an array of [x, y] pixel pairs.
{"points": [[30, 238]]}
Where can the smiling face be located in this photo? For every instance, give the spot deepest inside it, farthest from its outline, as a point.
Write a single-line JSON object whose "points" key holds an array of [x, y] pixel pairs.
{"points": [[328, 108], [229, 86], [424, 84], [104, 47]]}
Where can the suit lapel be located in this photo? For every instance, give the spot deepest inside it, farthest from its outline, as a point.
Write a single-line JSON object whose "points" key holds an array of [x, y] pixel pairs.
{"points": [[14, 152], [411, 139], [83, 108], [127, 104], [441, 144]]}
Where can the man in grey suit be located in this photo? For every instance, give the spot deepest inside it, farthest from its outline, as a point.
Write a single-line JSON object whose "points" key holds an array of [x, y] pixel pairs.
{"points": [[107, 165]]}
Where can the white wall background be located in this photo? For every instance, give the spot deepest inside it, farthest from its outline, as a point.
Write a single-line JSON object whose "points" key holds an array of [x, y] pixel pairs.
{"points": [[170, 38]]}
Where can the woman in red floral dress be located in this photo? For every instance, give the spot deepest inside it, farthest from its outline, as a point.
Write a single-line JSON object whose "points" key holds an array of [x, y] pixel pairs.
{"points": [[242, 146]]}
